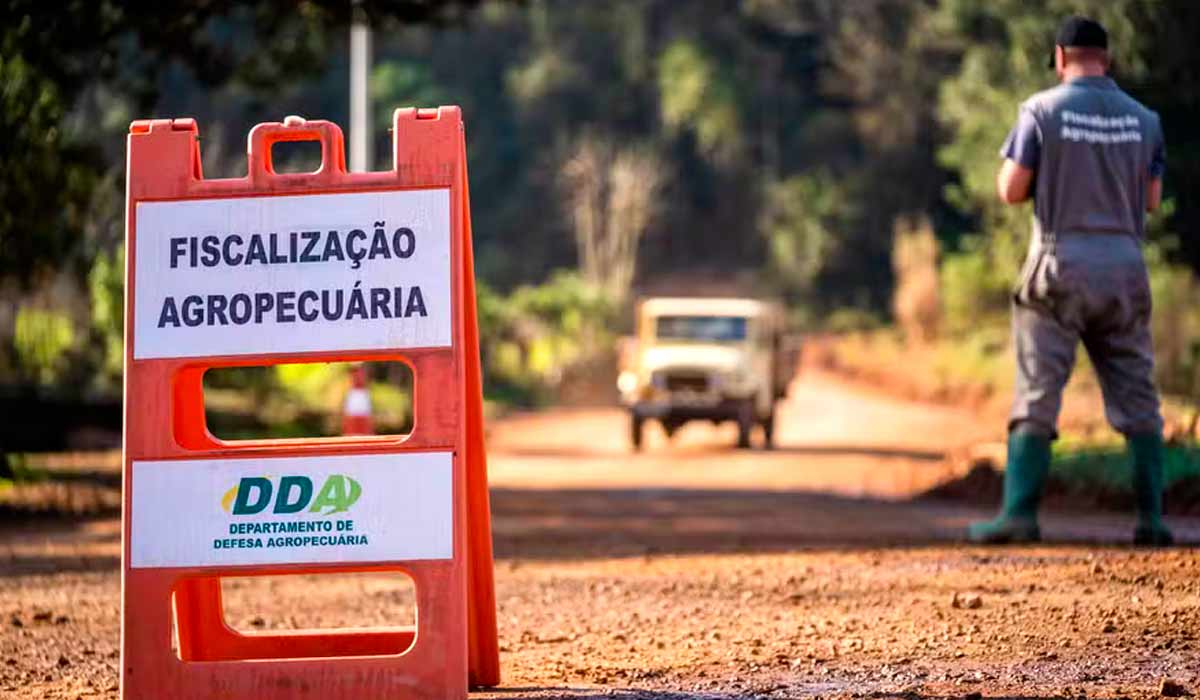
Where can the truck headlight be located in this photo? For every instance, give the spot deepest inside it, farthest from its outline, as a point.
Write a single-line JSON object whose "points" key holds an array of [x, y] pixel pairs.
{"points": [[627, 382]]}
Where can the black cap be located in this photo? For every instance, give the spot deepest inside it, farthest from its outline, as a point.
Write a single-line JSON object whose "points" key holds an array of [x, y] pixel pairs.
{"points": [[1080, 32]]}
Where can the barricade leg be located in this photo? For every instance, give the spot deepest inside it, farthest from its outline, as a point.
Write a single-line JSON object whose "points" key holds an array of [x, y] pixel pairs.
{"points": [[199, 618], [484, 651]]}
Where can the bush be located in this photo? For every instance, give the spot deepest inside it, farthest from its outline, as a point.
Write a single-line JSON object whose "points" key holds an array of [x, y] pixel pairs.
{"points": [[42, 341], [973, 287], [533, 337], [916, 300], [1176, 325], [852, 320], [106, 285], [1110, 465]]}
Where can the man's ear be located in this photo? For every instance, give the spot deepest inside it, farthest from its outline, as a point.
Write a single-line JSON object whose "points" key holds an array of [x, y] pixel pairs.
{"points": [[1060, 60]]}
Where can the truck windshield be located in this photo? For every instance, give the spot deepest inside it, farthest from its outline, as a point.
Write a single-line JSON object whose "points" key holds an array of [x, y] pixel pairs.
{"points": [[702, 328]]}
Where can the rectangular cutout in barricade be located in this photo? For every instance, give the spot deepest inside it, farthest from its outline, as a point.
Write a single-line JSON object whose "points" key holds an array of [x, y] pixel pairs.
{"points": [[278, 268]]}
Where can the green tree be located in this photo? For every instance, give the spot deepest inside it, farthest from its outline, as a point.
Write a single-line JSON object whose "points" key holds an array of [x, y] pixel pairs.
{"points": [[72, 77], [802, 221], [50, 56], [696, 93], [106, 286]]}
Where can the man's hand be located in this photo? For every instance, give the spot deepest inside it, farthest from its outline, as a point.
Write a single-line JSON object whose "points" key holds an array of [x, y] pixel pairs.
{"points": [[1013, 182]]}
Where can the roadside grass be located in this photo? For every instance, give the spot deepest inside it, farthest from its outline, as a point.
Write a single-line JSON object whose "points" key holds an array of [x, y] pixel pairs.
{"points": [[21, 469], [61, 484], [1077, 462], [976, 366]]}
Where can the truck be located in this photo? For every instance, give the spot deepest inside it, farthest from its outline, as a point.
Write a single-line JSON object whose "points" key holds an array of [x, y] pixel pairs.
{"points": [[706, 359]]}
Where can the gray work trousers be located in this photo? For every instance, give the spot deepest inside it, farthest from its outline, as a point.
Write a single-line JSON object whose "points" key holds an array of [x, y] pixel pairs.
{"points": [[1091, 288]]}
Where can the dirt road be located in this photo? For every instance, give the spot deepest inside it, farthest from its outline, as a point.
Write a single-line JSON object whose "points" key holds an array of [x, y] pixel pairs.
{"points": [[696, 571]]}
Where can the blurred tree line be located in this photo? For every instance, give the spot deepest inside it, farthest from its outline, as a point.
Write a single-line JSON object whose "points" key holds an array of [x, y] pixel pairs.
{"points": [[628, 141]]}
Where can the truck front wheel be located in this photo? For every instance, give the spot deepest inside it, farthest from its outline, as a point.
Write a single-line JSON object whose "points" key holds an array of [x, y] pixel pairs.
{"points": [[768, 426], [745, 423]]}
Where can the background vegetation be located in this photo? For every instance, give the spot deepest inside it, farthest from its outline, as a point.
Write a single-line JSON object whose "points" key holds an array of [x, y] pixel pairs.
{"points": [[840, 154]]}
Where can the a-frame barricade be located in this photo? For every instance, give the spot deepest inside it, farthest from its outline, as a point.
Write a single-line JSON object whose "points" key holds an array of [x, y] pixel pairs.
{"points": [[275, 268]]}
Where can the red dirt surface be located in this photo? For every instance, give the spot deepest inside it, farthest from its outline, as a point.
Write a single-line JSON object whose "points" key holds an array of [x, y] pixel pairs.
{"points": [[694, 570]]}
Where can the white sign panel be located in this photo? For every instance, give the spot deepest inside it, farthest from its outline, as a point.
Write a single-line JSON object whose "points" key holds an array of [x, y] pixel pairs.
{"points": [[320, 272], [292, 510]]}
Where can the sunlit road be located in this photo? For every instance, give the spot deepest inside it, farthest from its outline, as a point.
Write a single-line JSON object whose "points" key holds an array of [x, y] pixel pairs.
{"points": [[830, 437], [847, 466]]}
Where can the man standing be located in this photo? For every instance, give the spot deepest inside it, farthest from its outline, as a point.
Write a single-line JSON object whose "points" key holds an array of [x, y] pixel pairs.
{"points": [[1092, 158]]}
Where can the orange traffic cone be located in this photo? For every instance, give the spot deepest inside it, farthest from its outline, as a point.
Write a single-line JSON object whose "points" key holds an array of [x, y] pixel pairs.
{"points": [[356, 412]]}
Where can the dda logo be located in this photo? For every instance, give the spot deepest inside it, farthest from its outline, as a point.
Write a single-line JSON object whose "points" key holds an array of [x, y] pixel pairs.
{"points": [[293, 494]]}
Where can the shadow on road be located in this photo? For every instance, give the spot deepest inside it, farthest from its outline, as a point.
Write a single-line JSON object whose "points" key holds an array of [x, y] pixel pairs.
{"points": [[35, 564], [585, 452], [600, 523], [570, 523], [861, 451]]}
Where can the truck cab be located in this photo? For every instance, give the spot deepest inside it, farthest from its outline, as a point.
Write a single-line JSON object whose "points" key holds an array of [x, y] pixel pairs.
{"points": [[711, 359]]}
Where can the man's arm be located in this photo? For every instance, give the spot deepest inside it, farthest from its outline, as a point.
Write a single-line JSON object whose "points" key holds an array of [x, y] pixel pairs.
{"points": [[1154, 194], [1158, 168], [1022, 152], [1013, 182]]}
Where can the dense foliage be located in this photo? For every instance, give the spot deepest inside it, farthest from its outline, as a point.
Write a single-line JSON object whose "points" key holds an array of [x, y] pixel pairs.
{"points": [[781, 137]]}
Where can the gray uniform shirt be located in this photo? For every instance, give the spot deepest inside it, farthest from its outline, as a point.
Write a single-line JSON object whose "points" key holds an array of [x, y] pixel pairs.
{"points": [[1094, 150]]}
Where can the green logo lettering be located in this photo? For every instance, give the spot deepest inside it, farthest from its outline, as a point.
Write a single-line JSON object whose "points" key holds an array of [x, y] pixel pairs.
{"points": [[338, 494], [301, 486], [253, 494], [242, 505]]}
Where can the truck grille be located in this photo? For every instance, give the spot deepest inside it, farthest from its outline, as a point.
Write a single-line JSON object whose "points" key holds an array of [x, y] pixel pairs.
{"points": [[697, 383]]}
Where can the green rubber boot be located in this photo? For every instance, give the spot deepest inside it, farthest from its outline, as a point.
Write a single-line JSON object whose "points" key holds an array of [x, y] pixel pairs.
{"points": [[1147, 450], [1024, 477]]}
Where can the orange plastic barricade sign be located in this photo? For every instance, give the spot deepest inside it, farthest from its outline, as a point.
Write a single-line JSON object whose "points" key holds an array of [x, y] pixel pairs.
{"points": [[310, 267]]}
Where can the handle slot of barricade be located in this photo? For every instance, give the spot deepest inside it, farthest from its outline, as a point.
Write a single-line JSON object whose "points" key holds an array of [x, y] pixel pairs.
{"points": [[190, 421], [296, 157], [309, 400], [201, 638], [264, 137], [349, 600]]}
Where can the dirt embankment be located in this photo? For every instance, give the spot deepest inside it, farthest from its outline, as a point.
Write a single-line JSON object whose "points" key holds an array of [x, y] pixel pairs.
{"points": [[977, 470], [927, 374]]}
